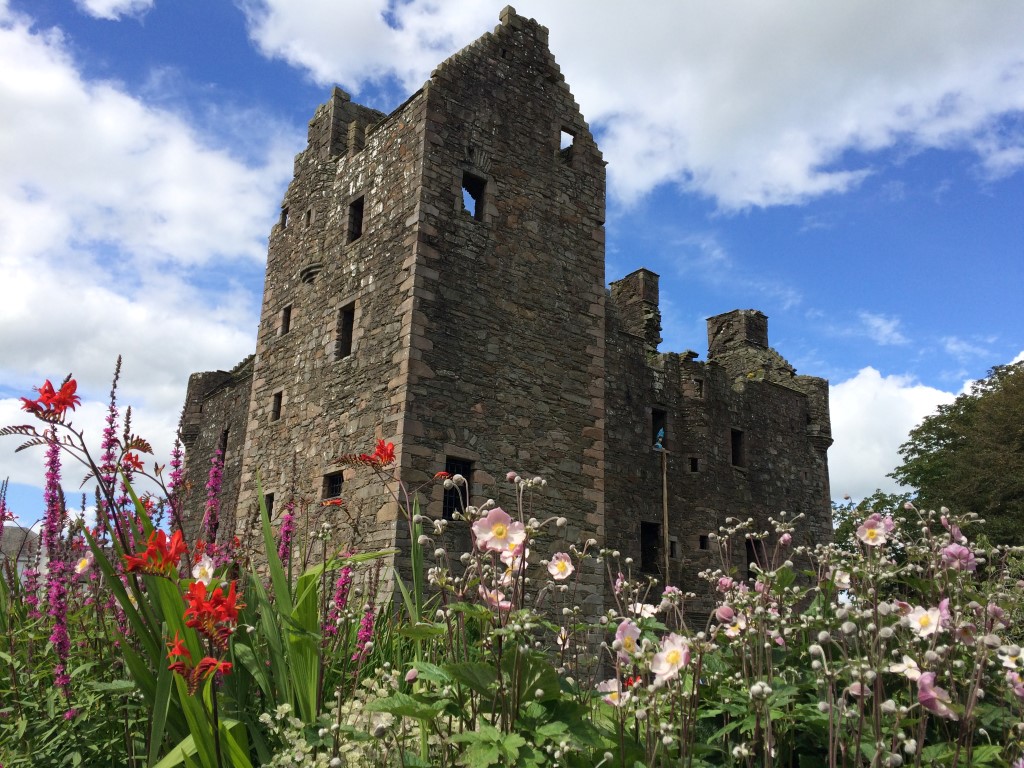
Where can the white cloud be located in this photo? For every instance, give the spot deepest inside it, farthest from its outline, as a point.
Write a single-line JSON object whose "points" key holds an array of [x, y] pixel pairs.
{"points": [[872, 415], [125, 231], [114, 10], [748, 103], [881, 329]]}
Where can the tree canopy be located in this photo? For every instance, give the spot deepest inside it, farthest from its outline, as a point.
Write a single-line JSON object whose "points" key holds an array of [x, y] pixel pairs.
{"points": [[969, 455]]}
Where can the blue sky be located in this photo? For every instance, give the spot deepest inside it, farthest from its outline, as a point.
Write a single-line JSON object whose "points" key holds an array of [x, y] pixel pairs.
{"points": [[855, 171]]}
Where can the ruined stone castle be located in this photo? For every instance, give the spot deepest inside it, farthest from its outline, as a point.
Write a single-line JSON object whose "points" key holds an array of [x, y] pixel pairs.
{"points": [[437, 279]]}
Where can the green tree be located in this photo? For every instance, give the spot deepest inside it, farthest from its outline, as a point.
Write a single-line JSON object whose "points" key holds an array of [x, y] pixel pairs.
{"points": [[969, 455]]}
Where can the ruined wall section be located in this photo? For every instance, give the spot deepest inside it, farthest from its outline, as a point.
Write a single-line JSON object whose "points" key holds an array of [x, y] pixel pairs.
{"points": [[738, 439], [507, 341], [216, 404], [329, 336]]}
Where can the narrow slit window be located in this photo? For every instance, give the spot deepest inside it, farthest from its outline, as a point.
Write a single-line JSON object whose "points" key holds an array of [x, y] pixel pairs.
{"points": [[650, 543], [456, 498], [346, 325], [659, 425], [737, 448], [704, 542], [224, 445], [284, 218], [275, 406], [698, 387], [268, 500], [355, 220], [473, 188], [694, 464], [286, 320], [566, 145], [309, 216], [673, 548], [332, 485]]}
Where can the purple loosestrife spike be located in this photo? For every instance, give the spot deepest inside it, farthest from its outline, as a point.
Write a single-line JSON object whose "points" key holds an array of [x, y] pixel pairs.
{"points": [[58, 569], [339, 602], [5, 515], [286, 531], [211, 517]]}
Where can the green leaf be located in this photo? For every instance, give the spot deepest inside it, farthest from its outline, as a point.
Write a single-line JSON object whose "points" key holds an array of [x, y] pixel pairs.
{"points": [[405, 706], [474, 675], [422, 631], [432, 672]]}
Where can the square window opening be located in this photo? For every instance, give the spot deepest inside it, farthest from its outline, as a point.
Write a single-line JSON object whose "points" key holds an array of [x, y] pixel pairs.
{"points": [[332, 485], [694, 464], [456, 498], [473, 188], [659, 424], [737, 448], [286, 320], [275, 406], [650, 543], [355, 220], [346, 326]]}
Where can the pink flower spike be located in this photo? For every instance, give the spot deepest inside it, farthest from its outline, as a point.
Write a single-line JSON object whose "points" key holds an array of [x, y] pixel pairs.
{"points": [[933, 698]]}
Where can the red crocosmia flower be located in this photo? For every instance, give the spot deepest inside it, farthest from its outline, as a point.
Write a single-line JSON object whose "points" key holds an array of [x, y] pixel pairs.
{"points": [[442, 476], [215, 615], [332, 503], [132, 462], [382, 456], [181, 659], [631, 681], [51, 404], [161, 554]]}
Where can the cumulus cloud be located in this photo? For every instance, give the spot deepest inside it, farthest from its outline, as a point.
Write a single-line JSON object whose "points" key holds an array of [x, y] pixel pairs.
{"points": [[114, 10], [872, 415], [751, 104], [125, 231]]}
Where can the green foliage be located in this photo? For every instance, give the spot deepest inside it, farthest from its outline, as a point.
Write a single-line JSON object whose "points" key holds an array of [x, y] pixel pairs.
{"points": [[969, 455]]}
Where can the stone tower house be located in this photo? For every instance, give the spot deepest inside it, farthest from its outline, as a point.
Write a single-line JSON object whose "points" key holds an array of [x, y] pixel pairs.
{"points": [[437, 279]]}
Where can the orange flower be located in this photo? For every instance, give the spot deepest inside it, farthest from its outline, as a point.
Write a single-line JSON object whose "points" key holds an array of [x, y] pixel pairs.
{"points": [[159, 556], [193, 676], [332, 503], [132, 462], [51, 404], [382, 456], [215, 616]]}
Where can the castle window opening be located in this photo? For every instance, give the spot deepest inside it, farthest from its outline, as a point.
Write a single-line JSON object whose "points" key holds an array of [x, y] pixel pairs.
{"points": [[456, 498], [268, 502], [223, 446], [332, 485], [309, 216], [275, 406], [473, 188], [698, 388], [704, 541], [659, 426], [286, 320], [650, 541], [355, 220], [694, 464], [566, 145], [737, 448], [346, 325], [284, 217], [673, 548]]}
